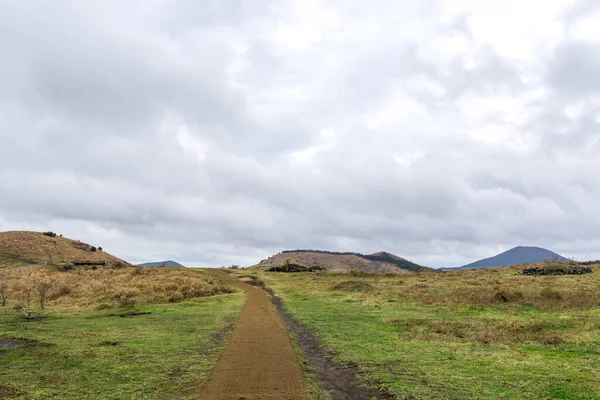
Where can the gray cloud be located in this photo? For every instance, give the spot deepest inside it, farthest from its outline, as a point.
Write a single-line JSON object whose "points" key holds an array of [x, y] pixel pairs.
{"points": [[221, 132]]}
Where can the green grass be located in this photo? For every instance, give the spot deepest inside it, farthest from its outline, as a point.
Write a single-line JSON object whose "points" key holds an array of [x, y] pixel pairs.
{"points": [[406, 340], [90, 355]]}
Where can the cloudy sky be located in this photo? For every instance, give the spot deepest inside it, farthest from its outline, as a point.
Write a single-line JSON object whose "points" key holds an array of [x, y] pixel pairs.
{"points": [[219, 132]]}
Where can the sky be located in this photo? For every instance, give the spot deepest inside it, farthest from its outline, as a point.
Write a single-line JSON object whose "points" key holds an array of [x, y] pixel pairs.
{"points": [[221, 132]]}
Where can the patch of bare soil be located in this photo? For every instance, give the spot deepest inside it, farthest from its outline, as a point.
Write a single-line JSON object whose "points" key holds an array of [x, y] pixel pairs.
{"points": [[33, 319], [7, 392], [16, 342], [259, 361], [108, 343], [339, 380]]}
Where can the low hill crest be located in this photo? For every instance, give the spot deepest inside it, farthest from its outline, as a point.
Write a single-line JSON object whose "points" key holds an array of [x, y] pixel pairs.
{"points": [[19, 248], [166, 263], [382, 262]]}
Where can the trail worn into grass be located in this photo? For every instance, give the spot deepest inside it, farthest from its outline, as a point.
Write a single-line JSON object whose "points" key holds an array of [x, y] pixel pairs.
{"points": [[259, 362]]}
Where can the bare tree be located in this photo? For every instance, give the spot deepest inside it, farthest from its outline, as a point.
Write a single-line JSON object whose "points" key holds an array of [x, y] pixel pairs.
{"points": [[43, 290], [2, 294]]}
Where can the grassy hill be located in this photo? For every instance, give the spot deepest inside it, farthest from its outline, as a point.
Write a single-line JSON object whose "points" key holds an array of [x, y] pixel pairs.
{"points": [[380, 262], [20, 248]]}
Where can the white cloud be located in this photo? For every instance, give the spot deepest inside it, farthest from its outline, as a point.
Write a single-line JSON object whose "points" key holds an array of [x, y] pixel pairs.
{"points": [[217, 133]]}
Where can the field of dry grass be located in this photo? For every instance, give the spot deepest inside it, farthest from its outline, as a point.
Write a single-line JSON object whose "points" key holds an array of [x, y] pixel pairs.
{"points": [[103, 287]]}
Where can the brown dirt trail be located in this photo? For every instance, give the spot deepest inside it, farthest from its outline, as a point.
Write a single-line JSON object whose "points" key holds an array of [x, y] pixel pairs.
{"points": [[259, 362]]}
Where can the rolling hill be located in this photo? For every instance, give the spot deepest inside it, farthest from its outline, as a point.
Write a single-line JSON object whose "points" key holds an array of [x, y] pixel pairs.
{"points": [[167, 263], [20, 248], [380, 262], [517, 255]]}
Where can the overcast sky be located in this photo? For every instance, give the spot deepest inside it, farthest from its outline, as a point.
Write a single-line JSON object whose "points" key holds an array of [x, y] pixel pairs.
{"points": [[221, 132]]}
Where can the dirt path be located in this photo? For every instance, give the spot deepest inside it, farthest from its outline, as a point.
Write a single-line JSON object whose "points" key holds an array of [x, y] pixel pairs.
{"points": [[259, 362]]}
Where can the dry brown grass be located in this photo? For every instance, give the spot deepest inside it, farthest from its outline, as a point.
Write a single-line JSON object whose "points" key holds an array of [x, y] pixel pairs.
{"points": [[106, 287], [497, 287], [21, 247], [499, 331]]}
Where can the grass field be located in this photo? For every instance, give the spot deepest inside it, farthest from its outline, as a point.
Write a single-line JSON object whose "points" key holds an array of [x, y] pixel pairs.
{"points": [[118, 334], [468, 335]]}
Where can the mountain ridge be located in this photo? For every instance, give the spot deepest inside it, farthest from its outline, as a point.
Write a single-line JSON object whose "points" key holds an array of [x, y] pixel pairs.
{"points": [[516, 255], [167, 263]]}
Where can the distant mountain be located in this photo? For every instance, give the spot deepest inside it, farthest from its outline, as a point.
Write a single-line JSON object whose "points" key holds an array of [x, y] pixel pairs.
{"points": [[381, 262], [168, 263], [517, 255], [22, 248]]}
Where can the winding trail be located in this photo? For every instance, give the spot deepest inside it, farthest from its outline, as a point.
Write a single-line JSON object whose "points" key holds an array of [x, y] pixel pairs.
{"points": [[259, 361]]}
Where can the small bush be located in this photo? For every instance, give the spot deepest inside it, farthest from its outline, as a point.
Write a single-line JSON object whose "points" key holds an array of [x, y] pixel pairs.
{"points": [[61, 291], [49, 234], [508, 296], [125, 300], [289, 267], [550, 294], [93, 248]]}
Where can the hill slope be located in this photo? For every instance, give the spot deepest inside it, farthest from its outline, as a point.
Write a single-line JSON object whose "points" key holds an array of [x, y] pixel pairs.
{"points": [[517, 255], [380, 262], [167, 263], [18, 248]]}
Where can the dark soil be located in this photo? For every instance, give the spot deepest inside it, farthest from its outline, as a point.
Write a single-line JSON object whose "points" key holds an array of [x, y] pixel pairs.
{"points": [[7, 392], [129, 314], [339, 380], [254, 281], [108, 343], [218, 337], [36, 318], [22, 343]]}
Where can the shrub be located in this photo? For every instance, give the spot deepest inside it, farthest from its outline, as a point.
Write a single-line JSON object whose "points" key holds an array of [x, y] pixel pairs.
{"points": [[557, 269], [50, 234], [508, 296], [289, 267], [550, 294], [93, 248]]}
